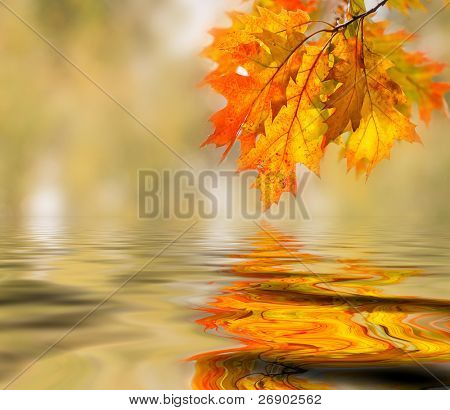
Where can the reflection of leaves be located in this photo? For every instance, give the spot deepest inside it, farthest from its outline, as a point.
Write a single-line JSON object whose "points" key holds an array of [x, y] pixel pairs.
{"points": [[291, 90], [247, 370], [287, 319]]}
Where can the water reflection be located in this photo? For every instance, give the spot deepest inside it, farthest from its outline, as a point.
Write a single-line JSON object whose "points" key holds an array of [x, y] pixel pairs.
{"points": [[270, 321], [302, 328], [52, 276]]}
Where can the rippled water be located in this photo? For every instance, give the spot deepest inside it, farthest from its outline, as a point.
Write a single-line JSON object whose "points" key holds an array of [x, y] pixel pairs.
{"points": [[319, 305]]}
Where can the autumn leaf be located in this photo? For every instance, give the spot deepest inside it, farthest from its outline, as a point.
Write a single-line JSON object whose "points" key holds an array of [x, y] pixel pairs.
{"points": [[357, 7], [256, 59], [295, 135], [413, 71], [382, 123], [295, 85], [291, 5], [406, 5], [347, 100]]}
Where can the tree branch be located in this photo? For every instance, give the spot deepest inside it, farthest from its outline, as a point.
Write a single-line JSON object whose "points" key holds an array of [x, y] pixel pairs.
{"points": [[361, 16]]}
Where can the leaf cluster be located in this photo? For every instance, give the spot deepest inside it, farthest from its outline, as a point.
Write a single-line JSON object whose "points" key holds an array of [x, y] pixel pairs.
{"points": [[295, 84]]}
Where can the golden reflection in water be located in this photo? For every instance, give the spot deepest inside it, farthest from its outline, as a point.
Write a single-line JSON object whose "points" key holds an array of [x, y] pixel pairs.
{"points": [[290, 321]]}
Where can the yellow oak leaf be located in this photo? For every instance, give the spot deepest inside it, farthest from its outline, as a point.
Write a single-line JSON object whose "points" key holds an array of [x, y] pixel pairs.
{"points": [[295, 135], [382, 124]]}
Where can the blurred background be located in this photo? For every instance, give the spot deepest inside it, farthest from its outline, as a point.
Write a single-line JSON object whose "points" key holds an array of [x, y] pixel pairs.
{"points": [[66, 149], [69, 153]]}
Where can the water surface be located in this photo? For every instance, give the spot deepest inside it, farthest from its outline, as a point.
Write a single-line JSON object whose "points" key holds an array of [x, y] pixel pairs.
{"points": [[321, 304]]}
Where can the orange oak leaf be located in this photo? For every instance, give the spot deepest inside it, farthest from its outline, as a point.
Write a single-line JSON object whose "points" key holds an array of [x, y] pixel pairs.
{"points": [[256, 59]]}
